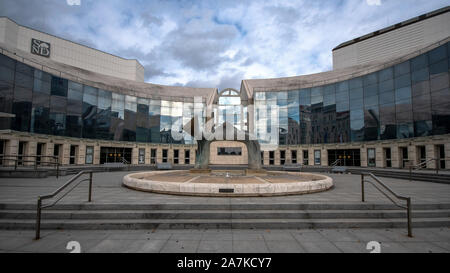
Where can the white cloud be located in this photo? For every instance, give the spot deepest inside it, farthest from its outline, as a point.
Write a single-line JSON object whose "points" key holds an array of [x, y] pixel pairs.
{"points": [[373, 2], [73, 2]]}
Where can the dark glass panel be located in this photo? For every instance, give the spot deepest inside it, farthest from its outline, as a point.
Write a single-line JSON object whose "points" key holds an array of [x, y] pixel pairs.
{"points": [[23, 80], [402, 81], [59, 86], [371, 123], [341, 86], [117, 116], [6, 74], [420, 75], [305, 97], [129, 133], [438, 82], [356, 94], [103, 121], [371, 90], [405, 130], [356, 104], [423, 128], [438, 54], [401, 69], [74, 126], [357, 130], [420, 62], [6, 97], [386, 74], [439, 67], [6, 61], [402, 94], [370, 79], [370, 101], [355, 83], [386, 86], [42, 82], [89, 111], [388, 128], [421, 101], [57, 124], [387, 97], [58, 104], [420, 88]]}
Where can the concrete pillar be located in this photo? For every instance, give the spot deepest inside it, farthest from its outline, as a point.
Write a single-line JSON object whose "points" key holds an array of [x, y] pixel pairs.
{"points": [[66, 154], [324, 157], [363, 157], [30, 151], [277, 157], [288, 156], [11, 149], [412, 154], [148, 152], [135, 156], [96, 154], [396, 157], [181, 156], [447, 155], [380, 157], [193, 155], [81, 154], [430, 151], [311, 156], [159, 155]]}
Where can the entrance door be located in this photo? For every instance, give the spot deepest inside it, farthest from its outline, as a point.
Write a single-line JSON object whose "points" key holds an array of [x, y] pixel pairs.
{"points": [[348, 157], [115, 155]]}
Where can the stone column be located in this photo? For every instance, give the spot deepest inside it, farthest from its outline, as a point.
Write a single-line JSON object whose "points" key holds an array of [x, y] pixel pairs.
{"points": [[277, 157], [363, 156], [134, 156], [11, 149], [311, 156], [29, 153], [81, 154], [430, 151], [65, 154], [159, 155], [395, 156], [96, 154], [288, 156], [148, 153], [412, 154], [380, 157], [447, 155], [324, 157]]}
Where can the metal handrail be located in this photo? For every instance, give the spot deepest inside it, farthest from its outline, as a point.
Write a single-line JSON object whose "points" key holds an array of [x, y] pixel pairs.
{"points": [[335, 163], [423, 164], [56, 192], [21, 159], [407, 199]]}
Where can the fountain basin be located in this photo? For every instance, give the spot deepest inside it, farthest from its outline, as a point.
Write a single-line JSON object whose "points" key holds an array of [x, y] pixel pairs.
{"points": [[228, 183]]}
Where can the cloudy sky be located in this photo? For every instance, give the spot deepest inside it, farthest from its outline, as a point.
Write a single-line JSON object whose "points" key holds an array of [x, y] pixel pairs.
{"points": [[216, 43]]}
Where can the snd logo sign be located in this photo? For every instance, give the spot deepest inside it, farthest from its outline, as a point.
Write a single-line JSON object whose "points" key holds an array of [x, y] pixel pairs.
{"points": [[40, 48]]}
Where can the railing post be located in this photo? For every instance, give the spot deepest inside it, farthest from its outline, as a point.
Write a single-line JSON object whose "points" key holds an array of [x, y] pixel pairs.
{"points": [[57, 169], [362, 187], [38, 219], [15, 163], [90, 186], [408, 206]]}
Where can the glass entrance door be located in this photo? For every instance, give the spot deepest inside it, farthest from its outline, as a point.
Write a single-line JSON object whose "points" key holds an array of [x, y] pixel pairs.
{"points": [[115, 155], [351, 157]]}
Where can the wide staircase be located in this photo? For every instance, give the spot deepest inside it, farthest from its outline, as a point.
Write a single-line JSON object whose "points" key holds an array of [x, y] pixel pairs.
{"points": [[224, 216]]}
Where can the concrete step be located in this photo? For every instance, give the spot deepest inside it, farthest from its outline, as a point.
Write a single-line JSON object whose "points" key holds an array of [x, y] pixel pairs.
{"points": [[227, 206], [221, 214], [221, 223]]}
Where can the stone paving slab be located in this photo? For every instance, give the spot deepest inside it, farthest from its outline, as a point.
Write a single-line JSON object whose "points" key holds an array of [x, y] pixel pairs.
{"points": [[108, 189], [426, 240]]}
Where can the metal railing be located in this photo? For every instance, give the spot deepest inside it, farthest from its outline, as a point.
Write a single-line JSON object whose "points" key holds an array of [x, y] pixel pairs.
{"points": [[40, 207], [423, 165], [407, 199], [335, 163], [36, 161]]}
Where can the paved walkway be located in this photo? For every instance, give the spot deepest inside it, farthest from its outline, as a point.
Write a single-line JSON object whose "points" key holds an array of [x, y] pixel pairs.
{"points": [[108, 189], [431, 240]]}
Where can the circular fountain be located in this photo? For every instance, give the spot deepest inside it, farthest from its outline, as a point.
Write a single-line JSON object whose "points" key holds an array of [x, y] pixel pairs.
{"points": [[227, 183]]}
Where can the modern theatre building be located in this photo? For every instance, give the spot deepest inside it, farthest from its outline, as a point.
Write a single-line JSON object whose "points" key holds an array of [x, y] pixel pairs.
{"points": [[385, 104]]}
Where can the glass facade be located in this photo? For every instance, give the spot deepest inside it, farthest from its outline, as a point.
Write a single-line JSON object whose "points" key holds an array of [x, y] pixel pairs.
{"points": [[46, 104], [410, 99]]}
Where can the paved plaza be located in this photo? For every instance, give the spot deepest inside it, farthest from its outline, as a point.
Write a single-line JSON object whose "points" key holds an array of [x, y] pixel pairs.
{"points": [[108, 189]]}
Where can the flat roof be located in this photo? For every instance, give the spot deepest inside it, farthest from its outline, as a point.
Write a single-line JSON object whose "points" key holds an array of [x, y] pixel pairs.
{"points": [[394, 27]]}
